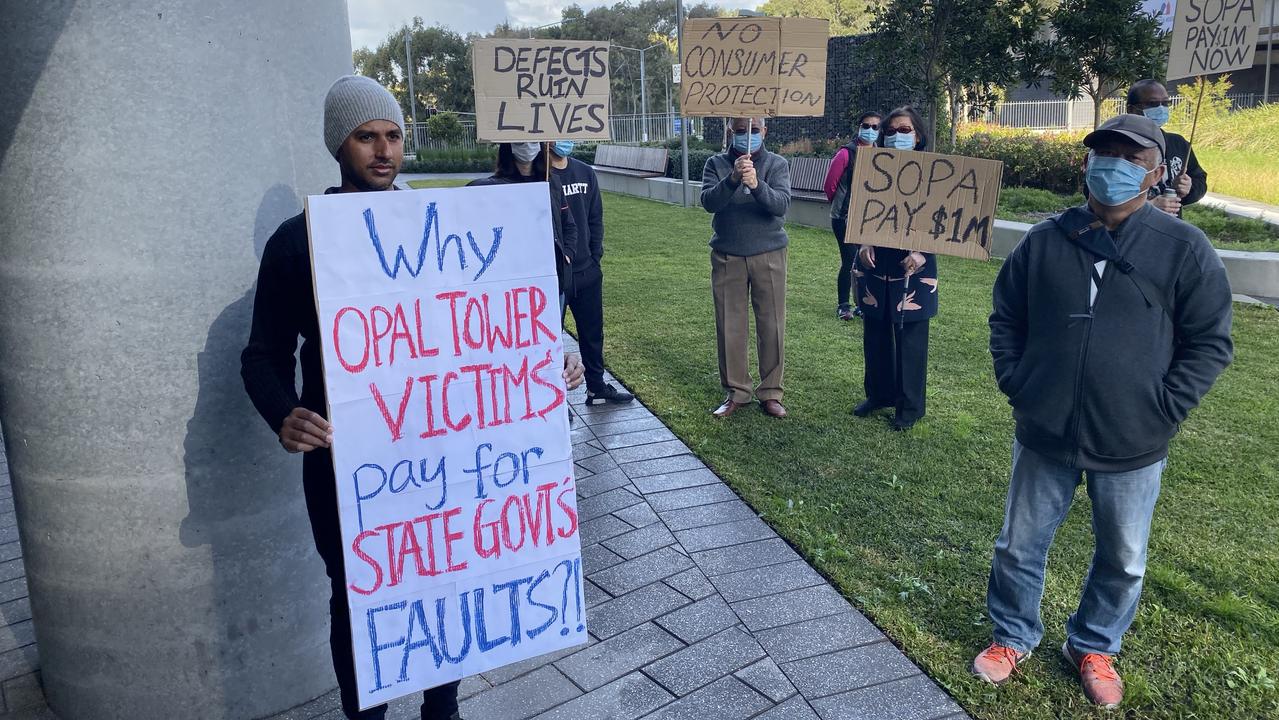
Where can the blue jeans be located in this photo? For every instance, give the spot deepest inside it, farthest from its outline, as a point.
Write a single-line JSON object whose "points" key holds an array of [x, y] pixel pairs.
{"points": [[1039, 496]]}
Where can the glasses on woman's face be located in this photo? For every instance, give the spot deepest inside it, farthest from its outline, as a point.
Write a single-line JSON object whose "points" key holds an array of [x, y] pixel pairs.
{"points": [[870, 126], [904, 129]]}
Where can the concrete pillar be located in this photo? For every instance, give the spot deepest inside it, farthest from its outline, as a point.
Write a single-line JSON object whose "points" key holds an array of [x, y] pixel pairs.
{"points": [[147, 151]]}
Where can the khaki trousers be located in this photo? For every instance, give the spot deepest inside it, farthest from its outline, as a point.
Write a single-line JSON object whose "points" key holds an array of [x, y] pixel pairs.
{"points": [[762, 278]]}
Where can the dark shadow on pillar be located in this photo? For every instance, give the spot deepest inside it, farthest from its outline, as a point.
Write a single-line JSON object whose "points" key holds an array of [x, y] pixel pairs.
{"points": [[28, 32]]}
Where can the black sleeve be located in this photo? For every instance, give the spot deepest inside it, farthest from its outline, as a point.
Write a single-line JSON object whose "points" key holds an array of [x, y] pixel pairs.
{"points": [[267, 363], [569, 227], [1198, 179], [1008, 318], [1202, 318], [595, 215]]}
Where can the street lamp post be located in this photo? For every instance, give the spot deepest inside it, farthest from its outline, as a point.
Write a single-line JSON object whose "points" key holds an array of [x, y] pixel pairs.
{"points": [[643, 88], [683, 121], [408, 71]]}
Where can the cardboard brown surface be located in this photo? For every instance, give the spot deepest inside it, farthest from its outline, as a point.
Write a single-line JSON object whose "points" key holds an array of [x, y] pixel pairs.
{"points": [[924, 201], [735, 67], [540, 90], [1212, 36]]}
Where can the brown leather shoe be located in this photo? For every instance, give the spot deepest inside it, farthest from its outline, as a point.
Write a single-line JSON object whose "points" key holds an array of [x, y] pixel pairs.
{"points": [[773, 408], [727, 408]]}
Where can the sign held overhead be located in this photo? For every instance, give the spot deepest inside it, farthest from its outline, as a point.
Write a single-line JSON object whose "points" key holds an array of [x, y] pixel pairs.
{"points": [[924, 201], [538, 90], [1212, 36], [754, 66]]}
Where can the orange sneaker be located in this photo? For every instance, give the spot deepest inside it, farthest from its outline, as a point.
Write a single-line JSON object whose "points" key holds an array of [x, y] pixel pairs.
{"points": [[997, 663], [1102, 684]]}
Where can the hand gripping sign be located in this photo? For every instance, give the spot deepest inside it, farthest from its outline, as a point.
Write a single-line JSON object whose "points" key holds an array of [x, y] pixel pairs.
{"points": [[442, 352]]}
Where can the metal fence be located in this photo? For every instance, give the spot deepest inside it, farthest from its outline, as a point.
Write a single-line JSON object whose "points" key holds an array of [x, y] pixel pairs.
{"points": [[625, 129], [1078, 114]]}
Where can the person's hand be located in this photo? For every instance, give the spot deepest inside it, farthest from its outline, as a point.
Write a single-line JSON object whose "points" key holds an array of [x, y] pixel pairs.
{"points": [[304, 431], [749, 179], [867, 256], [1183, 185], [574, 371], [1169, 205], [738, 168], [913, 262]]}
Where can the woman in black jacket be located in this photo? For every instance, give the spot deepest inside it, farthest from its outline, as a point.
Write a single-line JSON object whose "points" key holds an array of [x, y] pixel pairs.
{"points": [[897, 294]]}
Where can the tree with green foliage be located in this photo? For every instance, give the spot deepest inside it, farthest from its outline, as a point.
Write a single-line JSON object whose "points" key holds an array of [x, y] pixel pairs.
{"points": [[445, 127], [847, 17], [441, 67], [1100, 47]]}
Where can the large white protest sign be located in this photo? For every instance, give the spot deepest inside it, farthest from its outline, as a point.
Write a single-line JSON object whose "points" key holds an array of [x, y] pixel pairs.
{"points": [[440, 323], [1212, 36]]}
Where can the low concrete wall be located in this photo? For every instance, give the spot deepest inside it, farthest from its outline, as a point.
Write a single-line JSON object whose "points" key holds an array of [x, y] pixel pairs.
{"points": [[1251, 273]]}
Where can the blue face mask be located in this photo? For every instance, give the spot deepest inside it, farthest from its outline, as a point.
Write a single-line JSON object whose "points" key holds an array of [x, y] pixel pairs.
{"points": [[1114, 181], [564, 148], [747, 142], [900, 141], [1158, 113], [868, 136]]}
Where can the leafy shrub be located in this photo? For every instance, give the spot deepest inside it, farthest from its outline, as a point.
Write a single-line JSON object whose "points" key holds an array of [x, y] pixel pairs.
{"points": [[1049, 161], [448, 160], [696, 162], [445, 127]]}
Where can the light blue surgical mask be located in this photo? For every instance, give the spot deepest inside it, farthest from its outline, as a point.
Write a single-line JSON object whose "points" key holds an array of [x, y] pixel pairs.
{"points": [[564, 148], [868, 135], [747, 142], [900, 141], [1114, 181], [1158, 113]]}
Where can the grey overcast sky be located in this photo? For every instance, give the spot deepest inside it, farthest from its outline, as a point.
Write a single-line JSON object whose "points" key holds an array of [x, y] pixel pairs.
{"points": [[373, 20]]}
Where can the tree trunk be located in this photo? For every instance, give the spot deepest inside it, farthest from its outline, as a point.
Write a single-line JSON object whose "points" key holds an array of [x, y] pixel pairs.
{"points": [[1097, 100]]}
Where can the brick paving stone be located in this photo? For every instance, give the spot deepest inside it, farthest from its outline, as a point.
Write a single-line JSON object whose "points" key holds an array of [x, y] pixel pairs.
{"points": [[768, 679], [601, 529], [10, 551], [692, 583], [6, 505], [586, 450], [675, 480], [699, 620], [523, 697], [636, 438], [318, 707], [12, 569], [8, 519], [707, 515], [658, 466], [643, 570], [598, 557], [725, 699], [625, 426], [599, 463], [16, 635], [850, 669], [507, 673], [794, 709], [724, 534], [623, 699], [594, 594], [580, 433], [790, 607], [666, 448], [703, 662], [23, 692], [746, 584], [21, 661], [642, 541], [608, 660], [912, 698], [580, 472], [15, 611], [688, 497], [472, 686], [9, 534], [13, 589], [605, 503], [817, 637], [742, 557], [602, 482], [627, 611], [600, 414], [638, 515]]}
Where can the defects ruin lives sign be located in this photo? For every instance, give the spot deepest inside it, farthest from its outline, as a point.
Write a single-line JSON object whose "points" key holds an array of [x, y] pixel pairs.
{"points": [[754, 66], [1212, 36], [923, 201], [443, 360], [540, 90]]}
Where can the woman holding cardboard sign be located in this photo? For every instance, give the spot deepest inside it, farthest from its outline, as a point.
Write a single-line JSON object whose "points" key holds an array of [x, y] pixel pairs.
{"points": [[897, 294]]}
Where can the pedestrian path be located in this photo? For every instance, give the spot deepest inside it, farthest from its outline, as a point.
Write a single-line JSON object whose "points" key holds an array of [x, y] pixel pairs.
{"points": [[1239, 207], [697, 609]]}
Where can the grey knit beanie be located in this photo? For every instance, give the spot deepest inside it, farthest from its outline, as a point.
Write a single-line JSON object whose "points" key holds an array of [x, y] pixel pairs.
{"points": [[352, 101]]}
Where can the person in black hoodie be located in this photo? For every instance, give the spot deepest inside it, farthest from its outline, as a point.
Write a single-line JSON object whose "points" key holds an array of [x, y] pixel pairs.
{"points": [[585, 297], [364, 131], [1111, 321], [1182, 172]]}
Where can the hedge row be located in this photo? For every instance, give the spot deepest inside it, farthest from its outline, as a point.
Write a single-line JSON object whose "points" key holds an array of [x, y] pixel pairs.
{"points": [[1050, 161]]}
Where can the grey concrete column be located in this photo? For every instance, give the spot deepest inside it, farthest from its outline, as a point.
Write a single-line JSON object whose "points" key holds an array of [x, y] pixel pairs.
{"points": [[147, 150]]}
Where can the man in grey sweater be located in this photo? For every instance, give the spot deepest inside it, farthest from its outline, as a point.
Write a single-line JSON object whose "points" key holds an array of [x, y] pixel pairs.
{"points": [[747, 189]]}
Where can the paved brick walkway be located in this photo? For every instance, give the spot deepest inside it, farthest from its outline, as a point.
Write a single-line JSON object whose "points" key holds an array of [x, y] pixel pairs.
{"points": [[697, 609]]}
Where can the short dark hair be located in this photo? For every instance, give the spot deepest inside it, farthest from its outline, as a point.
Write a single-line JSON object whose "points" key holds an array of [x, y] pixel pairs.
{"points": [[1134, 92], [862, 118], [505, 168], [921, 136]]}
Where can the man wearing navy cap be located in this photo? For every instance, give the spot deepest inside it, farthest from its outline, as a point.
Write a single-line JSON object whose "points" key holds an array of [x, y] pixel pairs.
{"points": [[1111, 321]]}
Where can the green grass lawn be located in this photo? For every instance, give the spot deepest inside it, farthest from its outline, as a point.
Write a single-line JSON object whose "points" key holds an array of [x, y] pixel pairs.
{"points": [[903, 523], [436, 183], [1241, 173]]}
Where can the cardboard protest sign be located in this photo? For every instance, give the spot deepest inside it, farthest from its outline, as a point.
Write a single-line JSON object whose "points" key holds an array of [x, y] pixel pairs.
{"points": [[539, 90], [1212, 36], [923, 201], [754, 66], [443, 358]]}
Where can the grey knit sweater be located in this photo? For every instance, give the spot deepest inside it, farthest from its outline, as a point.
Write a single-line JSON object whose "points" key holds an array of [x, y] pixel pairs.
{"points": [[747, 222]]}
